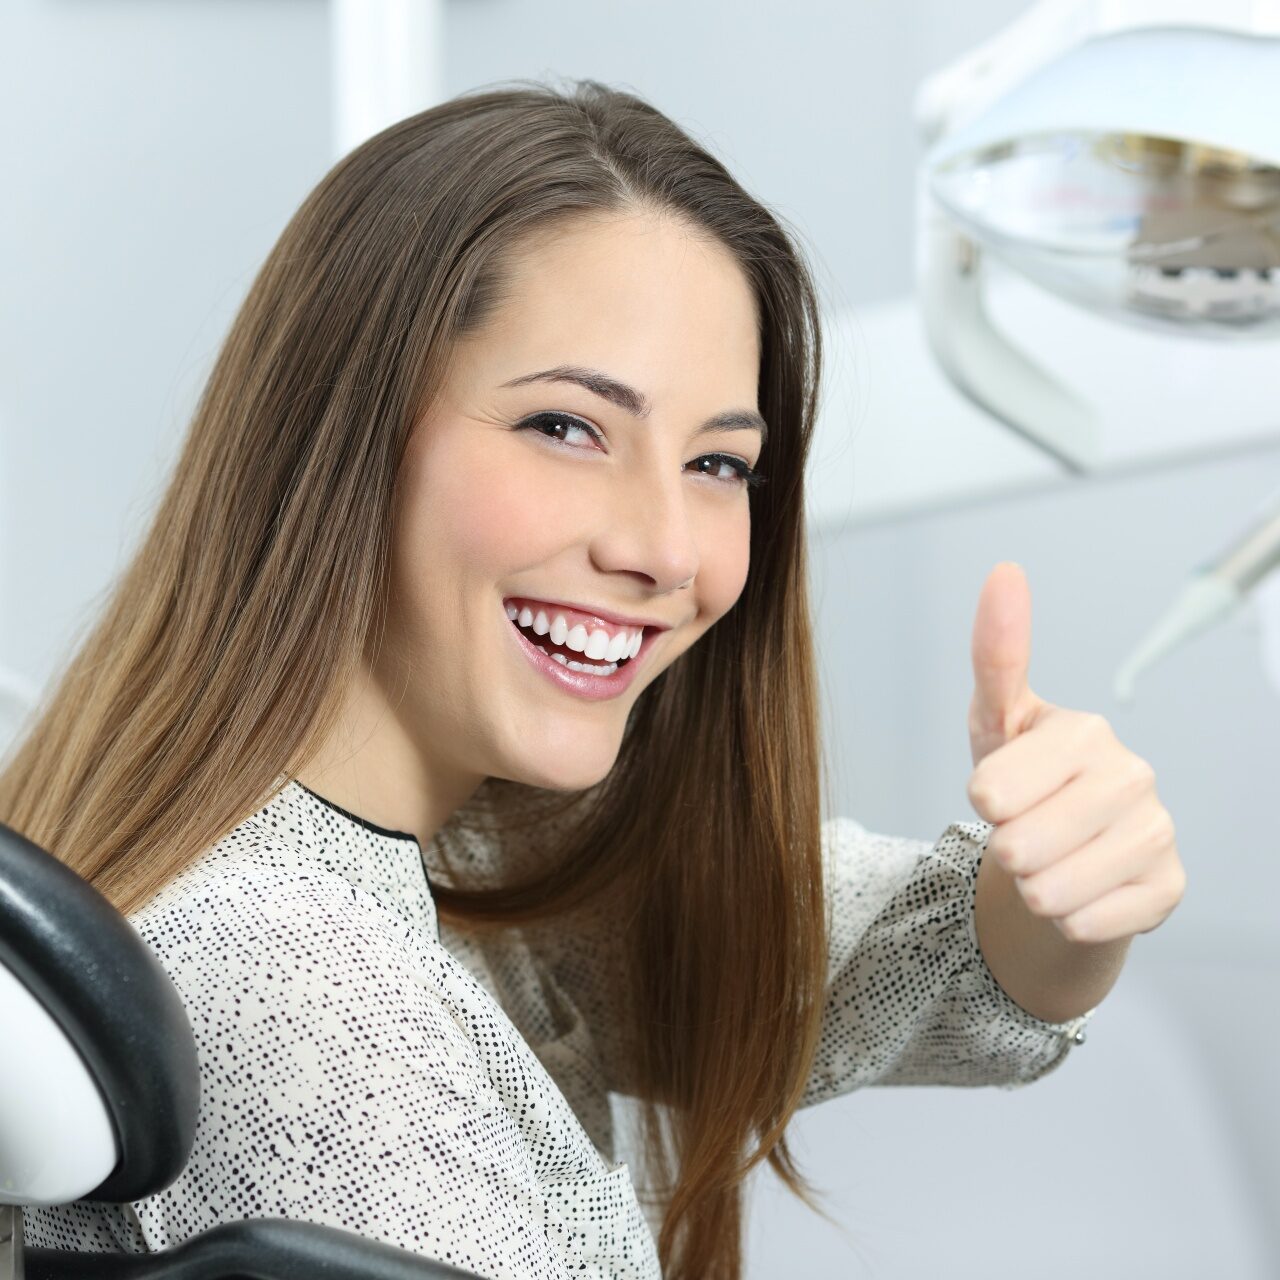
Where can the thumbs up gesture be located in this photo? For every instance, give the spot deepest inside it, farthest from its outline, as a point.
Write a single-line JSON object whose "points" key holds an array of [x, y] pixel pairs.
{"points": [[1077, 820]]}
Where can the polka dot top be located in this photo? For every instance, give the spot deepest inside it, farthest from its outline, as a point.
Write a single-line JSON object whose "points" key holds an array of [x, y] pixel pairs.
{"points": [[364, 1067]]}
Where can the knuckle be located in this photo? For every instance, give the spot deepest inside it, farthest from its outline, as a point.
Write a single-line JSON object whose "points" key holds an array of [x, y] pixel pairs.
{"points": [[1013, 855], [1038, 900], [1165, 829], [1074, 930], [1097, 725], [1142, 773], [979, 791]]}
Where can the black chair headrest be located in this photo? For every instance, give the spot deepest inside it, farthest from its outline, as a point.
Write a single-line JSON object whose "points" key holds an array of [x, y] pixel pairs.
{"points": [[87, 965]]}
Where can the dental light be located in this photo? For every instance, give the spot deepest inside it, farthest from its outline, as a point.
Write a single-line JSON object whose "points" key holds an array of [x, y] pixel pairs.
{"points": [[1123, 155]]}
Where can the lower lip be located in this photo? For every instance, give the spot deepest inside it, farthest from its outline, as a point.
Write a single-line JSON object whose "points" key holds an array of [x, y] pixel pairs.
{"points": [[582, 683]]}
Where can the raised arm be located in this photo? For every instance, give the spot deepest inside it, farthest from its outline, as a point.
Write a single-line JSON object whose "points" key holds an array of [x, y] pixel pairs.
{"points": [[910, 998]]}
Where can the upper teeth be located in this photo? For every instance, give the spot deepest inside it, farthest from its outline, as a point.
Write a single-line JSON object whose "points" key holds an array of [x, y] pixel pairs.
{"points": [[599, 644]]}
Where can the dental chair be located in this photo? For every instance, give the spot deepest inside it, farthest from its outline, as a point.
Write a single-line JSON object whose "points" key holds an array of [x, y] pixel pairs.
{"points": [[99, 1091]]}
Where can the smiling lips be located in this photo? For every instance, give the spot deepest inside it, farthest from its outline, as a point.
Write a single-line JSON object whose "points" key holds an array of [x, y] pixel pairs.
{"points": [[578, 675], [584, 633]]}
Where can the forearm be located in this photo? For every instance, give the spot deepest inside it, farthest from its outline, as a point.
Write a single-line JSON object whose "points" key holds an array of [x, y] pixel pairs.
{"points": [[1048, 975]]}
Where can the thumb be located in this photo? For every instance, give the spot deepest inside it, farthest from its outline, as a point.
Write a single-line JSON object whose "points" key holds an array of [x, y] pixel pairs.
{"points": [[1002, 699]]}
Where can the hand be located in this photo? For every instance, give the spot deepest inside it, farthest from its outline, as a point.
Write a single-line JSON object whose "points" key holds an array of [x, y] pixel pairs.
{"points": [[1077, 820]]}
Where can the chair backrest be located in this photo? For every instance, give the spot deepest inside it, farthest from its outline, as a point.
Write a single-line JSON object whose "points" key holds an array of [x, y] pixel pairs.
{"points": [[99, 1084]]}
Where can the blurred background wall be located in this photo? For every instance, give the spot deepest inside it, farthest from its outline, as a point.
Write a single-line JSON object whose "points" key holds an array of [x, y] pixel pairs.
{"points": [[154, 149]]}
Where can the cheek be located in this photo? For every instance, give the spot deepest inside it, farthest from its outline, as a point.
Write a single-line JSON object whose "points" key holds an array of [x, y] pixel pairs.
{"points": [[724, 558], [474, 511], [489, 525]]}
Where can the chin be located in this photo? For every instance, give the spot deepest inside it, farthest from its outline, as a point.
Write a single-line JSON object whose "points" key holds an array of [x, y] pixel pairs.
{"points": [[539, 764], [577, 778]]}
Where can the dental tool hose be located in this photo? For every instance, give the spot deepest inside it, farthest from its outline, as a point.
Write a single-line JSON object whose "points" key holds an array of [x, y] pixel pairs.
{"points": [[1217, 590]]}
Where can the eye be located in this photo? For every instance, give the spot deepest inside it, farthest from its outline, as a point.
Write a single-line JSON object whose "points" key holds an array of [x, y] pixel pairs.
{"points": [[556, 421], [741, 471], [555, 427]]}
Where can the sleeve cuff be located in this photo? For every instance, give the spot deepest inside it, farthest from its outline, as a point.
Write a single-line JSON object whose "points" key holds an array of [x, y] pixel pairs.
{"points": [[1057, 1037]]}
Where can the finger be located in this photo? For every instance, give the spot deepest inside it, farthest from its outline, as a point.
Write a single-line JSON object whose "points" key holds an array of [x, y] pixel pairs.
{"points": [[1060, 746], [1001, 648], [1067, 820], [1130, 909], [1119, 856]]}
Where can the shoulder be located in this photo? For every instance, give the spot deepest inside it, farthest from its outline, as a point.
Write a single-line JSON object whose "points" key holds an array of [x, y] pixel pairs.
{"points": [[253, 888]]}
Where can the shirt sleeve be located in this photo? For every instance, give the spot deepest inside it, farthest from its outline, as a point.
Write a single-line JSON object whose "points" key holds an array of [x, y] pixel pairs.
{"points": [[336, 1085], [910, 997]]}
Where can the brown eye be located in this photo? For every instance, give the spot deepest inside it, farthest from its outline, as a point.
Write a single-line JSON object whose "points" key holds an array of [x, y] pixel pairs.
{"points": [[742, 471], [554, 422]]}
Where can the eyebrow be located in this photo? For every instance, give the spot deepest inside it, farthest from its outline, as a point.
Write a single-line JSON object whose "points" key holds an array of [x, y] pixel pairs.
{"points": [[634, 402]]}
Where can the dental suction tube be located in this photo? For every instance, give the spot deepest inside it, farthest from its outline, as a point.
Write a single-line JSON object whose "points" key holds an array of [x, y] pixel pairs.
{"points": [[1218, 588]]}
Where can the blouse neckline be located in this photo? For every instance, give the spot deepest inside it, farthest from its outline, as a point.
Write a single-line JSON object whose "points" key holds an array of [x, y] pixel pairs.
{"points": [[356, 818]]}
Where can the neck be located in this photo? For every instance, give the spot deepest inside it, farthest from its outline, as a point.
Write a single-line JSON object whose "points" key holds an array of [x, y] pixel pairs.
{"points": [[379, 771]]}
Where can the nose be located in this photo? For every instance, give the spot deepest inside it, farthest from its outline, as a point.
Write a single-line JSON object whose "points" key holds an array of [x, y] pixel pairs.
{"points": [[647, 530]]}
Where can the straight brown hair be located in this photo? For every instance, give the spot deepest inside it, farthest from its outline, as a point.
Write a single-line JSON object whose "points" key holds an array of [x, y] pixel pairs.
{"points": [[219, 660]]}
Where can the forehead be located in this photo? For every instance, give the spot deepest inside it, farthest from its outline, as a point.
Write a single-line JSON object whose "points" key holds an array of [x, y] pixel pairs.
{"points": [[643, 292]]}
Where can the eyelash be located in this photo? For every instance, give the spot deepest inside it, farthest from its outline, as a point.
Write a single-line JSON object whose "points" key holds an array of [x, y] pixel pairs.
{"points": [[747, 476]]}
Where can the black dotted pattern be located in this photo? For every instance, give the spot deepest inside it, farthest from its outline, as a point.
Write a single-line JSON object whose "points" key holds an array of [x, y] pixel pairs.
{"points": [[355, 1073], [911, 999], [366, 1067]]}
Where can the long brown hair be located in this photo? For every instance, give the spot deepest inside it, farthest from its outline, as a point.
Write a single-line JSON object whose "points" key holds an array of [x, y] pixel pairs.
{"points": [[221, 656]]}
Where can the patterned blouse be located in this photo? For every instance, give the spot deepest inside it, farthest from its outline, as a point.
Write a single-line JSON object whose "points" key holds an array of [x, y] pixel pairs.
{"points": [[366, 1067]]}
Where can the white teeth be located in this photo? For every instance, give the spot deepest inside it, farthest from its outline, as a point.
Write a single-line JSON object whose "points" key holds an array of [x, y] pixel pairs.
{"points": [[596, 644], [584, 666], [606, 670]]}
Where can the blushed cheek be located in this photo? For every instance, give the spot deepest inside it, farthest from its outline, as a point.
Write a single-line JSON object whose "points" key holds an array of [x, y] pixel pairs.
{"points": [[476, 513]]}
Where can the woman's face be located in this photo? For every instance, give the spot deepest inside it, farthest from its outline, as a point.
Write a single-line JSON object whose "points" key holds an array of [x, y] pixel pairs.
{"points": [[539, 495]]}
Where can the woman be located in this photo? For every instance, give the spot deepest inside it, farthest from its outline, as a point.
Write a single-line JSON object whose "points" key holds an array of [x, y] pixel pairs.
{"points": [[452, 736]]}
